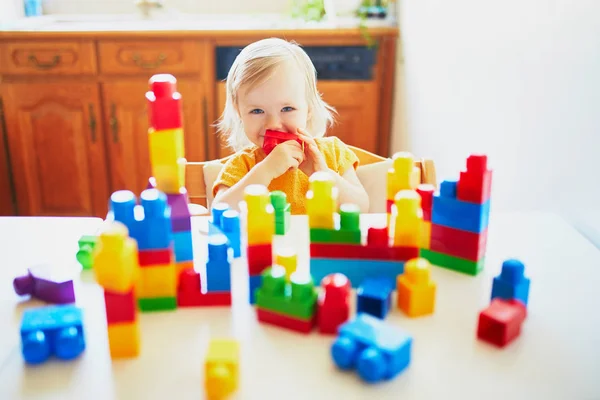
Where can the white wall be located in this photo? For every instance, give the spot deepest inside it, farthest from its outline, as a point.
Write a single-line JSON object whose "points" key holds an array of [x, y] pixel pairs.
{"points": [[11, 9], [516, 79]]}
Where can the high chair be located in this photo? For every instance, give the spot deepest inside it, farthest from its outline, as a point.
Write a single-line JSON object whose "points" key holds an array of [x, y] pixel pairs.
{"points": [[372, 170]]}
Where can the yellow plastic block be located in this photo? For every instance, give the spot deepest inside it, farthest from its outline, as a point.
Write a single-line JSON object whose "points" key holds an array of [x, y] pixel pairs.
{"points": [[287, 258], [221, 369], [157, 281], [257, 198], [416, 291], [407, 217], [425, 235], [170, 178], [166, 146], [260, 215], [403, 175], [124, 340], [321, 201], [116, 258]]}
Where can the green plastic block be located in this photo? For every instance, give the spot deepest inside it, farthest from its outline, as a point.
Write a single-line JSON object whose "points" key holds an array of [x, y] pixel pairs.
{"points": [[349, 217], [158, 304], [454, 263], [85, 254], [320, 235], [298, 298], [282, 212]]}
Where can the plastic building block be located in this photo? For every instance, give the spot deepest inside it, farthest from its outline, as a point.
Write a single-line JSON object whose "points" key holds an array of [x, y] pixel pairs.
{"points": [[426, 192], [374, 297], [376, 350], [85, 254], [333, 303], [52, 330], [454, 263], [157, 281], [475, 183], [449, 211], [254, 283], [355, 270], [155, 257], [282, 212], [116, 249], [352, 251], [190, 294], [166, 148], [321, 235], [120, 307], [285, 321], [184, 248], [403, 175], [378, 237], [416, 290], [287, 258], [164, 102], [274, 138], [41, 283], [458, 243], [407, 218], [511, 283], [124, 340], [230, 226], [221, 368], [296, 299], [218, 266], [122, 209], [321, 201], [157, 304], [500, 323], [259, 258], [170, 178], [181, 219], [260, 218], [216, 219], [425, 235]]}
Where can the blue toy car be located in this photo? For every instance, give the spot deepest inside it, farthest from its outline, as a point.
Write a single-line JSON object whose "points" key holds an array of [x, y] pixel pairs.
{"points": [[376, 350], [54, 330]]}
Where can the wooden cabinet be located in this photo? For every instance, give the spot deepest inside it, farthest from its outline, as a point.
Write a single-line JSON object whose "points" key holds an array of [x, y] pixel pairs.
{"points": [[56, 142]]}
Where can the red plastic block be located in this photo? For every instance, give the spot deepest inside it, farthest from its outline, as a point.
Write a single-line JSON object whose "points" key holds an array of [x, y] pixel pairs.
{"points": [[388, 206], [475, 183], [260, 256], [426, 191], [500, 323], [378, 237], [155, 257], [120, 307], [333, 303], [284, 321], [360, 252], [273, 138], [458, 243], [189, 292], [164, 103]]}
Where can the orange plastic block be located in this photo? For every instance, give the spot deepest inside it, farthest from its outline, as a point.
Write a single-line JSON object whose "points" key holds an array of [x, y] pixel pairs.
{"points": [[404, 175], [157, 281], [416, 291], [407, 218], [124, 340], [221, 369], [321, 201], [425, 235], [116, 258]]}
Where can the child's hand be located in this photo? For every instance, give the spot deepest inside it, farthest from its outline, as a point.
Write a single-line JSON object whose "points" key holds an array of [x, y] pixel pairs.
{"points": [[284, 156], [314, 160]]}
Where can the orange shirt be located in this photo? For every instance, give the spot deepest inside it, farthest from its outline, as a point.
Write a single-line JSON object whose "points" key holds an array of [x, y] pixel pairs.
{"points": [[294, 183]]}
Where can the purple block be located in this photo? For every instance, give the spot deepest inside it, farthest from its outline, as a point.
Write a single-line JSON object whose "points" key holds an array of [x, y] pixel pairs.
{"points": [[42, 284], [180, 212]]}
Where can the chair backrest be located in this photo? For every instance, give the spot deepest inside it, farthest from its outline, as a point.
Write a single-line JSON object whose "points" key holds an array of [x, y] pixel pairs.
{"points": [[197, 185]]}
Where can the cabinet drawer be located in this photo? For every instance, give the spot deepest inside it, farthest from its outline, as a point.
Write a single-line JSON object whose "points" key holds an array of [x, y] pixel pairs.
{"points": [[152, 56], [45, 57]]}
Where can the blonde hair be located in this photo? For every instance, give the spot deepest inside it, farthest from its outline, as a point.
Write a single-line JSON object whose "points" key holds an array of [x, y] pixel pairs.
{"points": [[254, 65]]}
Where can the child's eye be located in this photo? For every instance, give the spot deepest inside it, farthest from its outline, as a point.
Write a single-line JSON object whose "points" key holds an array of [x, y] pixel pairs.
{"points": [[286, 109], [256, 111]]}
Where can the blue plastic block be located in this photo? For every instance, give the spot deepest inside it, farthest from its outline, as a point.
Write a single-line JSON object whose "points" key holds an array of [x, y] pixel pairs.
{"points": [[156, 231], [356, 270], [217, 211], [53, 330], [511, 283], [374, 297], [184, 249], [254, 282], [449, 211], [376, 350], [214, 229], [122, 205], [230, 226], [218, 267]]}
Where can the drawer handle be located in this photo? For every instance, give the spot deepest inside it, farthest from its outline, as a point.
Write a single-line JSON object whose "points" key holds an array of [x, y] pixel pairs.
{"points": [[137, 59], [114, 123], [92, 123], [41, 65]]}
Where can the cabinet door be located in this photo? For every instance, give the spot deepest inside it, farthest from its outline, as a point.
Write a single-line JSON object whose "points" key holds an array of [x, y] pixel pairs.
{"points": [[56, 144], [126, 119]]}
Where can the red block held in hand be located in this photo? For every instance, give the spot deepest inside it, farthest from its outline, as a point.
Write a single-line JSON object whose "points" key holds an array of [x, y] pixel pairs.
{"points": [[273, 138]]}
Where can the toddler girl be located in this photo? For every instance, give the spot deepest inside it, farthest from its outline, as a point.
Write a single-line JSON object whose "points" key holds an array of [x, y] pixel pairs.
{"points": [[272, 86]]}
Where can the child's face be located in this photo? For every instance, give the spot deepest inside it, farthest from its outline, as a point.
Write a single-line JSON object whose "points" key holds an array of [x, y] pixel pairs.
{"points": [[278, 104]]}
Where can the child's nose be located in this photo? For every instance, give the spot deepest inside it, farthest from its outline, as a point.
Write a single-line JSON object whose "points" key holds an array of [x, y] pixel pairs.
{"points": [[274, 123]]}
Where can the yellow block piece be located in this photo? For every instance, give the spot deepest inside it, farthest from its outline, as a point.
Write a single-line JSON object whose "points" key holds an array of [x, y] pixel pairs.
{"points": [[260, 215], [124, 340], [166, 146], [170, 178], [416, 291], [321, 201], [407, 217], [403, 175], [157, 281], [425, 235], [221, 369], [116, 258], [287, 258]]}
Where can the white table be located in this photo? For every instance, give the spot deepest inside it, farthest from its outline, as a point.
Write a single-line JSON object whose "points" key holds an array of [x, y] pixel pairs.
{"points": [[556, 357]]}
